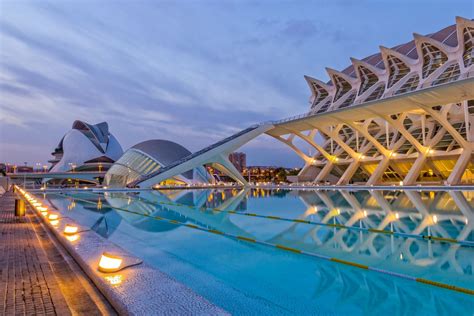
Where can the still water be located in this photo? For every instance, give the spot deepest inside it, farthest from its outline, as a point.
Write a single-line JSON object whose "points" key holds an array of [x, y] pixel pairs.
{"points": [[380, 229]]}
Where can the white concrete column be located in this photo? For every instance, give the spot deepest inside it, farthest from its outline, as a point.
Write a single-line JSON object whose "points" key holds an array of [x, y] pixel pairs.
{"points": [[347, 176], [460, 167], [378, 172], [324, 172], [414, 172]]}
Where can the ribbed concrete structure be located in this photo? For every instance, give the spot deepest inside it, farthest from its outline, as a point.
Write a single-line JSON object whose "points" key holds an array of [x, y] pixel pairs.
{"points": [[148, 157], [403, 114]]}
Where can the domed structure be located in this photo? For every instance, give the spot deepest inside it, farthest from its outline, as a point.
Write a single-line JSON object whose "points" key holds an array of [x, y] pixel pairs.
{"points": [[147, 157], [86, 147]]}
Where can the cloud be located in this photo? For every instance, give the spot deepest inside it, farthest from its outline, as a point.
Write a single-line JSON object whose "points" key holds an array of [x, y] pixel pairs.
{"points": [[193, 72]]}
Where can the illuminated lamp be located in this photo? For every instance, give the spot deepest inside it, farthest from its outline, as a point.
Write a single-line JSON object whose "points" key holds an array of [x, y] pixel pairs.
{"points": [[70, 230], [109, 263], [53, 217]]}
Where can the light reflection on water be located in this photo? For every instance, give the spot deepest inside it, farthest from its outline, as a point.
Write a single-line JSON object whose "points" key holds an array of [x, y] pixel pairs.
{"points": [[243, 277]]}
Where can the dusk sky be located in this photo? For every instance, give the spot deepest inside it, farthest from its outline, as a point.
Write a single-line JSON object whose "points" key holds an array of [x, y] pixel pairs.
{"points": [[189, 71]]}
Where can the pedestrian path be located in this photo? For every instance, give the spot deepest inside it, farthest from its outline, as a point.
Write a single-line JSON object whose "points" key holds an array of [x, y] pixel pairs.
{"points": [[37, 276]]}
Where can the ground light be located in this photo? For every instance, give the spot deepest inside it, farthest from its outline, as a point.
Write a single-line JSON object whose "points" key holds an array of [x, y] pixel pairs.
{"points": [[109, 263], [70, 230], [72, 238]]}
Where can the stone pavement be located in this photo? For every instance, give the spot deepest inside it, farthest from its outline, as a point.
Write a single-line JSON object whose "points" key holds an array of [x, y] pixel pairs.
{"points": [[37, 276]]}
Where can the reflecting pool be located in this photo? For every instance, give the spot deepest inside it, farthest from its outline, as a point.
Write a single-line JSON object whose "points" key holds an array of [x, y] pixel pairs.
{"points": [[192, 236]]}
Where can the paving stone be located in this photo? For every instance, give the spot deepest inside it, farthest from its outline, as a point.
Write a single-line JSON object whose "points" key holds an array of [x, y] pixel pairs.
{"points": [[33, 272]]}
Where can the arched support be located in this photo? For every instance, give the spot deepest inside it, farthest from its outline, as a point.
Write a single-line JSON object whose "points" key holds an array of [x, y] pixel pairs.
{"points": [[289, 143], [223, 164]]}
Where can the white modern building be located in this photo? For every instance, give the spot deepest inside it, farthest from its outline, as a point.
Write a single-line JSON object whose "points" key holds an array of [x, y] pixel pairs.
{"points": [[149, 156], [402, 115], [86, 147]]}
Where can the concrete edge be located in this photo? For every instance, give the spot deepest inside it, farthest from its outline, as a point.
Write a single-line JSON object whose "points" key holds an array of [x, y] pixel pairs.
{"points": [[136, 290]]}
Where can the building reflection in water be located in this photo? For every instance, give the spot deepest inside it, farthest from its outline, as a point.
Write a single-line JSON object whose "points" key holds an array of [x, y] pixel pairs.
{"points": [[448, 215]]}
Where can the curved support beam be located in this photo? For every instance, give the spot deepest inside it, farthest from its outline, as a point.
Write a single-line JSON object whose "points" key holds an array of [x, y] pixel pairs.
{"points": [[397, 125], [310, 141], [334, 135], [224, 165], [364, 132], [298, 151], [447, 126]]}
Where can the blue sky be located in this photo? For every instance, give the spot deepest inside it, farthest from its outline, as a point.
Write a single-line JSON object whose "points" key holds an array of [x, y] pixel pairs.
{"points": [[188, 71]]}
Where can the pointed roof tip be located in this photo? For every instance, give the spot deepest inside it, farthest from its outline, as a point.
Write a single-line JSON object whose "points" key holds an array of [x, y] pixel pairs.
{"points": [[354, 60], [418, 36], [460, 19], [330, 70]]}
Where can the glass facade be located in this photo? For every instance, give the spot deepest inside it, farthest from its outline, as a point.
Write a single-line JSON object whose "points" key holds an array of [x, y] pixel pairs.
{"points": [[433, 58], [132, 165]]}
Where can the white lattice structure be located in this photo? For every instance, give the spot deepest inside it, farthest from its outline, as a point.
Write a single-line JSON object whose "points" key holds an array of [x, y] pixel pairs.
{"points": [[405, 114]]}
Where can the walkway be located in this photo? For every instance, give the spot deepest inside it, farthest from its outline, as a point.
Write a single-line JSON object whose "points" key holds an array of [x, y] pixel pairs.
{"points": [[37, 276]]}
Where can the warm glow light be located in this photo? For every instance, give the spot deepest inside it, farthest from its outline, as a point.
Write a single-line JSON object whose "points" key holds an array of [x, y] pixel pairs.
{"points": [[114, 279], [53, 217], [401, 183], [365, 213], [435, 219], [109, 263], [72, 238], [85, 188], [42, 208], [70, 230], [37, 204], [397, 216], [44, 213], [54, 222]]}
